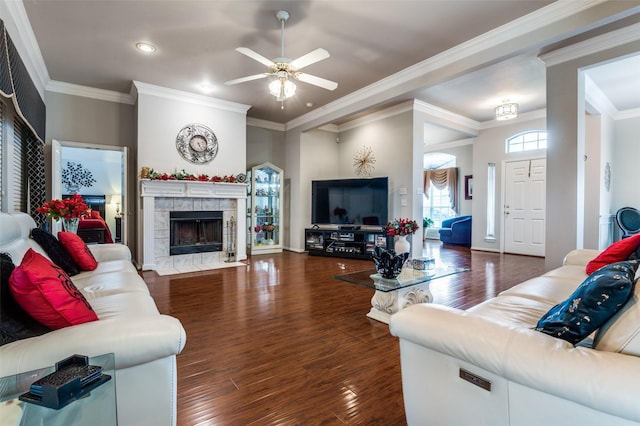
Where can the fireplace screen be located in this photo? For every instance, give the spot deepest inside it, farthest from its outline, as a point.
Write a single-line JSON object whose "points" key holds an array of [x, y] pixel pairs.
{"points": [[195, 232]]}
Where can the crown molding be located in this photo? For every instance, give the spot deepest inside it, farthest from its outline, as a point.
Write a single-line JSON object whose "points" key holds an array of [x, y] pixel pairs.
{"points": [[90, 92], [192, 98], [597, 99], [377, 116], [448, 145], [444, 114], [265, 124], [594, 45], [629, 113], [19, 28], [533, 21]]}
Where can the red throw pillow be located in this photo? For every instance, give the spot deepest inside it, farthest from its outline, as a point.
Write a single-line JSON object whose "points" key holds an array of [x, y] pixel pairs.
{"points": [[95, 214], [47, 294], [616, 252], [78, 250]]}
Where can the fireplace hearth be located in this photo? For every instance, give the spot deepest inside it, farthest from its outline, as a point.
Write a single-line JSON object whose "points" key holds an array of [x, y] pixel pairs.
{"points": [[195, 232]]}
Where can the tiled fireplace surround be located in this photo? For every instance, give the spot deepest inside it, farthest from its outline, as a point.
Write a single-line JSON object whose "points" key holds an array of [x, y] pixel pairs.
{"points": [[159, 198]]}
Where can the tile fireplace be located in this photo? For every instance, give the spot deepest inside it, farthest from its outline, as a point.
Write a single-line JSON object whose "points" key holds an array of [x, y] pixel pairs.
{"points": [[186, 224]]}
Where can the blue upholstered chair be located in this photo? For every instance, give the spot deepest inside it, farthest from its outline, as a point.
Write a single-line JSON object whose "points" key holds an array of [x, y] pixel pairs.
{"points": [[628, 219], [456, 231]]}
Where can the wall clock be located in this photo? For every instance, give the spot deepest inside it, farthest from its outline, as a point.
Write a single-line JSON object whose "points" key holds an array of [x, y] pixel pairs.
{"points": [[363, 161], [197, 143]]}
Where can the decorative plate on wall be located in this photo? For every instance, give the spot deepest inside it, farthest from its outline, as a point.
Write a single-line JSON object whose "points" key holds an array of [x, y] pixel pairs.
{"points": [[197, 143]]}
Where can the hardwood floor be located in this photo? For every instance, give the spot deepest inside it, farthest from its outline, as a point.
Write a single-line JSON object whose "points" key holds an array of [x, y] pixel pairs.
{"points": [[281, 342]]}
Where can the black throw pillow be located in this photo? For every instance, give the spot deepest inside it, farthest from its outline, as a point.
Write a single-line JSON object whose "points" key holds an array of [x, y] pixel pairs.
{"points": [[56, 251], [15, 323], [593, 303]]}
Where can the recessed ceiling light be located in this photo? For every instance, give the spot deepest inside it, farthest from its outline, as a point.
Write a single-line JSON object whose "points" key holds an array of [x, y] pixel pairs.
{"points": [[206, 87], [309, 104], [146, 47]]}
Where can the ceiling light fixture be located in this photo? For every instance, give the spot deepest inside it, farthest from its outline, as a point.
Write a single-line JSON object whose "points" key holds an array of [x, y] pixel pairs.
{"points": [[282, 88], [507, 110], [146, 47]]}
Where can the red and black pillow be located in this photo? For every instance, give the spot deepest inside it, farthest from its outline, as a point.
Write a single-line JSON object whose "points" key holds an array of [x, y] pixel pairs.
{"points": [[15, 323], [47, 294]]}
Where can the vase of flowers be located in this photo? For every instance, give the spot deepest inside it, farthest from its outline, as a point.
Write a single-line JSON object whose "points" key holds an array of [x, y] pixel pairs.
{"points": [[69, 210], [401, 228]]}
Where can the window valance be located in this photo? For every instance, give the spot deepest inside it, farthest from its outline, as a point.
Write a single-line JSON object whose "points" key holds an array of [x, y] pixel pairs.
{"points": [[441, 179], [15, 83]]}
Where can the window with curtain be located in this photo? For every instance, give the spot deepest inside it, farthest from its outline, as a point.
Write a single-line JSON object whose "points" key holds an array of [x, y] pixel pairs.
{"points": [[440, 194], [22, 128]]}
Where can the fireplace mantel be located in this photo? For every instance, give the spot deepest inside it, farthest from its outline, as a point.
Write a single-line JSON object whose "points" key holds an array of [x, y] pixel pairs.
{"points": [[194, 189], [201, 193]]}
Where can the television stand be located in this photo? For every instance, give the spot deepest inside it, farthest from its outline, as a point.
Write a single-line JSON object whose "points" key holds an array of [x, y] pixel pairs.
{"points": [[348, 243]]}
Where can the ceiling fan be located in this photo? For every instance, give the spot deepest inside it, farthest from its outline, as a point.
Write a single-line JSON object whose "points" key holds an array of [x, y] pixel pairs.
{"points": [[285, 69]]}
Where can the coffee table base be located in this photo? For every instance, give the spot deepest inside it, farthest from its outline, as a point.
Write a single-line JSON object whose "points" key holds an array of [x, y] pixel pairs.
{"points": [[386, 303]]}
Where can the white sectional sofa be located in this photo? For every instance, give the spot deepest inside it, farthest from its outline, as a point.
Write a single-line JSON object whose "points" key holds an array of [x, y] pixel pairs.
{"points": [[488, 366], [145, 343]]}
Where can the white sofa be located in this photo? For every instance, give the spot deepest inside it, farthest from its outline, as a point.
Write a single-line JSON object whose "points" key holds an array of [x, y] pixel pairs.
{"points": [[145, 343], [535, 379]]}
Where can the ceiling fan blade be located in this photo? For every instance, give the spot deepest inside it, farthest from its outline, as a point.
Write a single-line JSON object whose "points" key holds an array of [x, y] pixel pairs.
{"points": [[256, 56], [308, 59], [317, 81], [248, 78]]}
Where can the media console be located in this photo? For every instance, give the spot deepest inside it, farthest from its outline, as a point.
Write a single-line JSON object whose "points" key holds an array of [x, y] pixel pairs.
{"points": [[351, 243]]}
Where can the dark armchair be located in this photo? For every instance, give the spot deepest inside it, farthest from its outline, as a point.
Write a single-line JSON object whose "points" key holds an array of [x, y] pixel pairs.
{"points": [[628, 219], [456, 231]]}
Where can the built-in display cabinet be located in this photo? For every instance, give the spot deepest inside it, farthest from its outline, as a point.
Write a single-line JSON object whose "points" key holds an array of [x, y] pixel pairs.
{"points": [[264, 209]]}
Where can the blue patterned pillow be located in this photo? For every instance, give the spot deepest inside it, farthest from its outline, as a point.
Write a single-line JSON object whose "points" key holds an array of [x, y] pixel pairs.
{"points": [[596, 300]]}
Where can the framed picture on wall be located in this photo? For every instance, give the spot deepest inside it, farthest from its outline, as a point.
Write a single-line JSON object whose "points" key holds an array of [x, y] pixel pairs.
{"points": [[468, 187]]}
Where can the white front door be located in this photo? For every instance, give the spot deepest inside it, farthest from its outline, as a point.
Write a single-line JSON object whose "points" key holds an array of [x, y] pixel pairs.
{"points": [[524, 207]]}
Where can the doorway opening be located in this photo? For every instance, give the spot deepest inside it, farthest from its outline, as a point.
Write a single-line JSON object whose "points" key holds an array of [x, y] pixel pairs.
{"points": [[103, 172]]}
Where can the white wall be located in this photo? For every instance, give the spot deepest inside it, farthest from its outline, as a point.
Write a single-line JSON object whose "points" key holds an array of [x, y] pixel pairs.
{"points": [[265, 145], [565, 164], [624, 171], [162, 113]]}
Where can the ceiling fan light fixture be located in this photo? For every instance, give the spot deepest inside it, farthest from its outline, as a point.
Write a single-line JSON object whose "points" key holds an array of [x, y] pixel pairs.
{"points": [[507, 110], [282, 89]]}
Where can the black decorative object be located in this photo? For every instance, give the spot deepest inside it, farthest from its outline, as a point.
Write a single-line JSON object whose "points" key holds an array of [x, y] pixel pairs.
{"points": [[388, 263], [73, 379], [74, 177]]}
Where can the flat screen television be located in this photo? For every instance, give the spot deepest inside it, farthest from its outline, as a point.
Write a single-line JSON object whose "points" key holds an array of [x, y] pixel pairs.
{"points": [[362, 201]]}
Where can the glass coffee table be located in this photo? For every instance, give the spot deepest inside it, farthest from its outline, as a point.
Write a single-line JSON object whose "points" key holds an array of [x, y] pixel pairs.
{"points": [[408, 288], [97, 408]]}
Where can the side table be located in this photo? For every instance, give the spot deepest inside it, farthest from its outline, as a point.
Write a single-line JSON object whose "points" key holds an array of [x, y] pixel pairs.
{"points": [[98, 408]]}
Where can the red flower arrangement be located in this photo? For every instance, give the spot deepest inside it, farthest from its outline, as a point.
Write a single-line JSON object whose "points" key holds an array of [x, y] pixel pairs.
{"points": [[401, 227], [67, 208]]}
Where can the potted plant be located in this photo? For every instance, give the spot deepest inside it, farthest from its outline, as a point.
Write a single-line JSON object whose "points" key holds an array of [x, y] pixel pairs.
{"points": [[427, 222]]}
